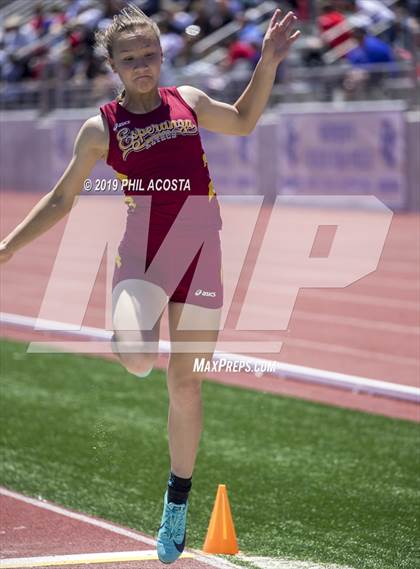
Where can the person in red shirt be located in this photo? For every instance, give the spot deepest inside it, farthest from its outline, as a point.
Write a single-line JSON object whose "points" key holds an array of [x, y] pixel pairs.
{"points": [[329, 18], [241, 50], [39, 22], [150, 136]]}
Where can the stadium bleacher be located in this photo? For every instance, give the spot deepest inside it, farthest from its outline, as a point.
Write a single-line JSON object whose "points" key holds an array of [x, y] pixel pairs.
{"points": [[48, 58]]}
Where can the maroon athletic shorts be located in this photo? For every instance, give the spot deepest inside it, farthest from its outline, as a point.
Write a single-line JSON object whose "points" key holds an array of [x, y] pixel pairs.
{"points": [[188, 266]]}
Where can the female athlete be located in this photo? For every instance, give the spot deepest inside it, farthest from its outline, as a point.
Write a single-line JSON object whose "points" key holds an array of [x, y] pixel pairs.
{"points": [[150, 133]]}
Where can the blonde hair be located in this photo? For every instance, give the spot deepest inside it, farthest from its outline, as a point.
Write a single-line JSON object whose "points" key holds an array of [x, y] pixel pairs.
{"points": [[127, 19]]}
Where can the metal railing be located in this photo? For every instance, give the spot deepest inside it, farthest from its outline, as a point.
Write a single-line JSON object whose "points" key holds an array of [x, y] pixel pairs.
{"points": [[295, 84]]}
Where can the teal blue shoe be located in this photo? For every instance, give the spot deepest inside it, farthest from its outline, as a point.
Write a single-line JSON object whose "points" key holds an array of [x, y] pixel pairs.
{"points": [[172, 532]]}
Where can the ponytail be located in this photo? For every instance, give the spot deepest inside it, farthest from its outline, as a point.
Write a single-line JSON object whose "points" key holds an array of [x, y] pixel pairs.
{"points": [[121, 96]]}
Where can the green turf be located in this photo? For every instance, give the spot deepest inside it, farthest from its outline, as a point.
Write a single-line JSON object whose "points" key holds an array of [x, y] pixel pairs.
{"points": [[305, 481]]}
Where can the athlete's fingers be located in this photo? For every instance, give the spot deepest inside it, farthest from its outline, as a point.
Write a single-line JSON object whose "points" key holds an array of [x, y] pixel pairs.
{"points": [[287, 19], [276, 18], [293, 37], [5, 255], [287, 26]]}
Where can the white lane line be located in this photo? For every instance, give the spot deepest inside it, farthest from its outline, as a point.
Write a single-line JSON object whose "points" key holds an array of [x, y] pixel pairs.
{"points": [[271, 293], [101, 347], [342, 320], [92, 347], [41, 324], [353, 298], [356, 352], [214, 561], [281, 370], [381, 325], [330, 378], [277, 563], [82, 559]]}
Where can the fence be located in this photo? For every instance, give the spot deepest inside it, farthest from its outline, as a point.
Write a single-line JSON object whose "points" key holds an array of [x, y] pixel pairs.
{"points": [[305, 150]]}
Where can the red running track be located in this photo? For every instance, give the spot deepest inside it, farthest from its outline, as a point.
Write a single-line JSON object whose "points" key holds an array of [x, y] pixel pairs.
{"points": [[31, 528]]}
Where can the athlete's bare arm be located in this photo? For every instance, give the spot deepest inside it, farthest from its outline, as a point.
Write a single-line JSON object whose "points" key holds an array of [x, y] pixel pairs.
{"points": [[91, 145], [241, 117]]}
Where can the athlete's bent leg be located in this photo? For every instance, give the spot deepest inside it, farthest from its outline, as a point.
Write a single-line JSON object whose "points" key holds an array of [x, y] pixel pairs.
{"points": [[135, 306]]}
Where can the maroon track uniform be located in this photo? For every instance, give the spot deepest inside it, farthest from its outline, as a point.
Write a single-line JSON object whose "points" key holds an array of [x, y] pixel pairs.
{"points": [[159, 155]]}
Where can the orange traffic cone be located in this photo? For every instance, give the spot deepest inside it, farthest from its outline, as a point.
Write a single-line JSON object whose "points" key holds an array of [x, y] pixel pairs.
{"points": [[221, 536]]}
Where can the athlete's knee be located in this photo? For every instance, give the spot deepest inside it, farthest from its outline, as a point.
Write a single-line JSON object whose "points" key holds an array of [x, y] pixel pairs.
{"points": [[184, 386], [186, 395], [138, 364]]}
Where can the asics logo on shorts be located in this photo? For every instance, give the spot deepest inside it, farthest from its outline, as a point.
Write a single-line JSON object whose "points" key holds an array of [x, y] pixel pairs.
{"points": [[199, 292]]}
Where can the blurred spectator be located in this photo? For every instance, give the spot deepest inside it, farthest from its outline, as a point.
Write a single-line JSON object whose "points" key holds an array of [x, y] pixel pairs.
{"points": [[151, 7], [111, 8], [56, 18], [223, 13], [241, 50], [360, 81], [311, 52], [201, 17], [369, 13], [39, 22], [181, 19], [413, 7], [16, 35], [249, 31], [302, 8], [89, 16], [74, 7], [246, 53], [370, 50], [405, 30], [172, 43], [330, 18]]}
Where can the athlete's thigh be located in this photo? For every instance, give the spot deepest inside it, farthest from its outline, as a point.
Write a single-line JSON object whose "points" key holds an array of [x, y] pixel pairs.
{"points": [[137, 308], [198, 342]]}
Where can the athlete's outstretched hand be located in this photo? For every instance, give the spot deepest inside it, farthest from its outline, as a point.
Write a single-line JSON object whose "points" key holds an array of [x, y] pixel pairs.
{"points": [[5, 254], [279, 37]]}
